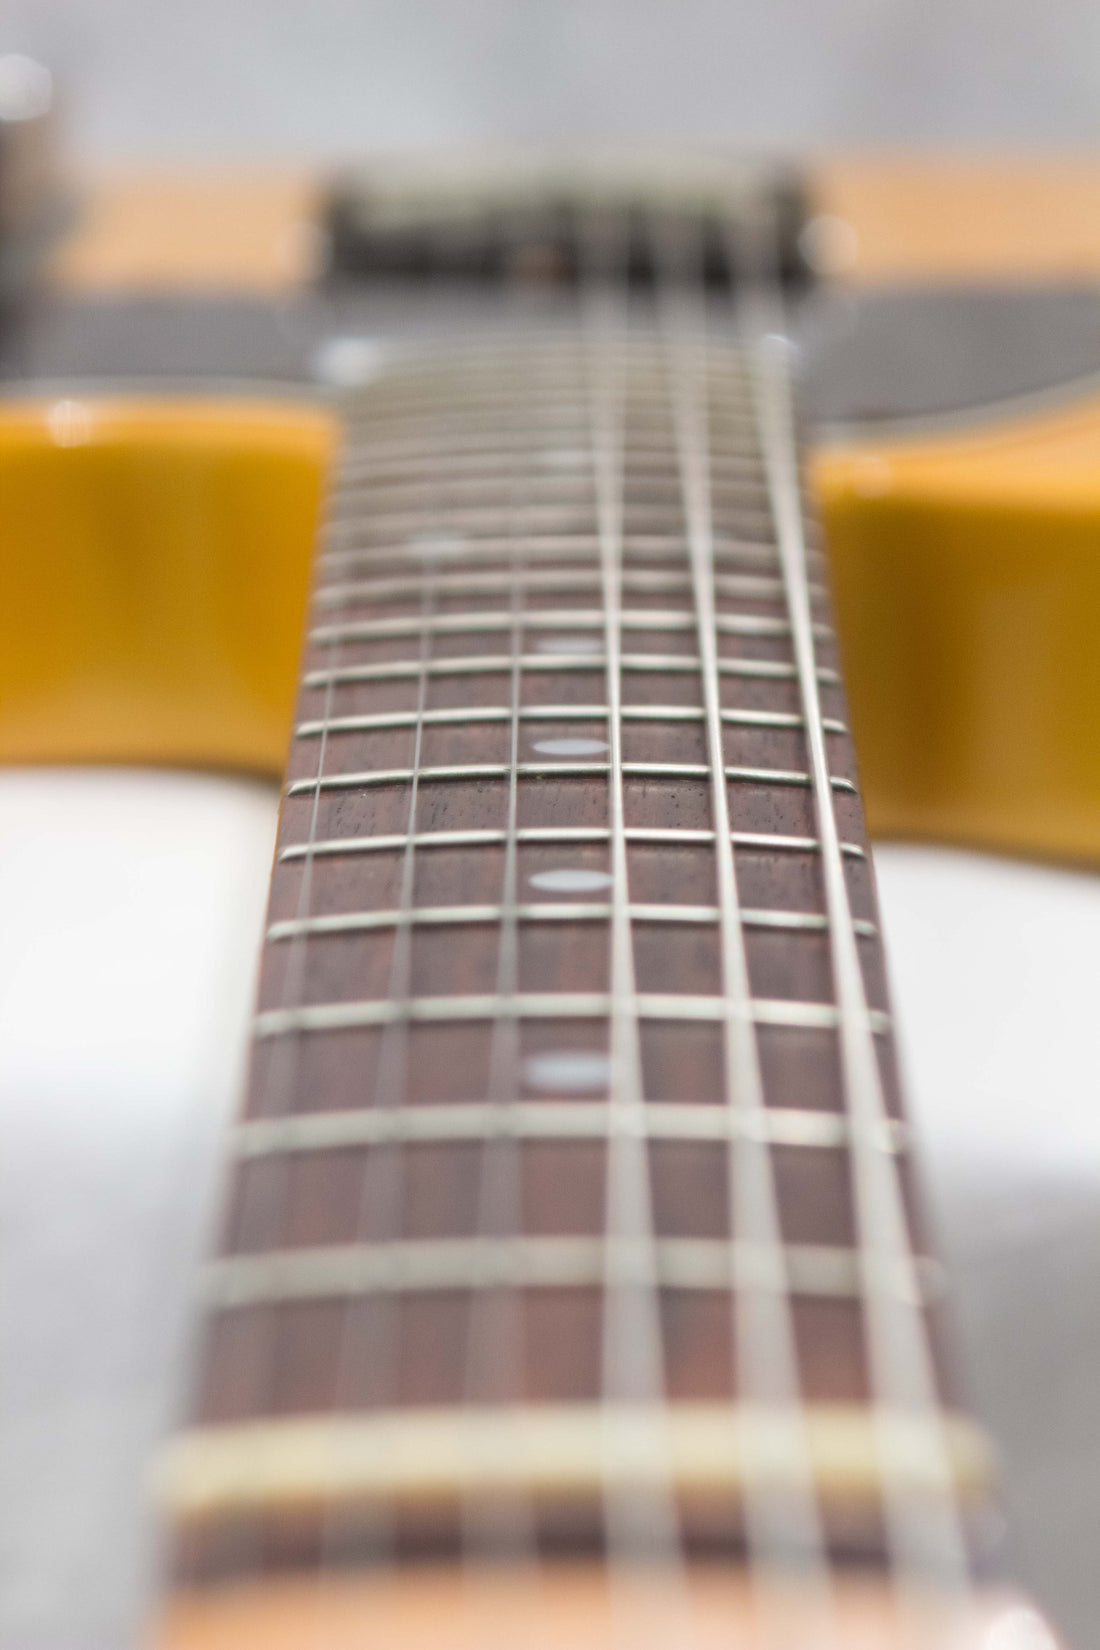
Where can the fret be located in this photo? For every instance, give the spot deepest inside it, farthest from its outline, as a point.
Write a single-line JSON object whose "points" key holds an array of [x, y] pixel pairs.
{"points": [[550, 768], [552, 1005], [564, 835], [502, 440], [557, 422], [752, 585], [350, 922], [464, 715], [817, 1270], [632, 1352], [550, 1073], [545, 1120], [485, 664], [487, 457], [927, 1540], [729, 624], [554, 510], [550, 518], [738, 543], [557, 408], [537, 387], [489, 486], [534, 550], [429, 1457], [494, 1351], [782, 1518]]}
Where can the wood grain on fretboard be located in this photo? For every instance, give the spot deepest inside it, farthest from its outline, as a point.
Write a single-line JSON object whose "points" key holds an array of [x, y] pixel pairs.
{"points": [[459, 1068]]}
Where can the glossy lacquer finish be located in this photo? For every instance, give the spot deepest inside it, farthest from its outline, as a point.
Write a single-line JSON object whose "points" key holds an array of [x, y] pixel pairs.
{"points": [[966, 577], [965, 570], [154, 560]]}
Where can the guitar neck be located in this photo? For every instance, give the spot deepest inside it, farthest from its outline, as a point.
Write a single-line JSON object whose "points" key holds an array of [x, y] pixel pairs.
{"points": [[571, 1213]]}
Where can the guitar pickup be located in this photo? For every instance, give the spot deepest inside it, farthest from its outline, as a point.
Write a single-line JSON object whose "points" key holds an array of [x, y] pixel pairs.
{"points": [[543, 220]]}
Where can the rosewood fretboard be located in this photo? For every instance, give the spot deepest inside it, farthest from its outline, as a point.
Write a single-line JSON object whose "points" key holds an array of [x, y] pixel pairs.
{"points": [[571, 1201]]}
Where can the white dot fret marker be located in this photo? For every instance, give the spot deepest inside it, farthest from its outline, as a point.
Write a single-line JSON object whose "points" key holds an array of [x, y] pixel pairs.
{"points": [[568, 880], [570, 644], [570, 747], [574, 1072]]}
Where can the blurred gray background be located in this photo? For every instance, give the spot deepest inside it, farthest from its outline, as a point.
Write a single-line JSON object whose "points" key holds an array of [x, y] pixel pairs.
{"points": [[256, 78]]}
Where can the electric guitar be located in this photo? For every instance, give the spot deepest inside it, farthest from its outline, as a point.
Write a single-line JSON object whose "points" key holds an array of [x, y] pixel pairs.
{"points": [[572, 1282]]}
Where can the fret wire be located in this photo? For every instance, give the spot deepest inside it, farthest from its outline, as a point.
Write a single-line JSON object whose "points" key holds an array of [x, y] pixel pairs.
{"points": [[432, 1455], [494, 1347], [462, 715], [367, 1343], [536, 518], [782, 1517], [749, 495], [925, 1533], [640, 663], [546, 1120], [551, 467], [673, 836], [567, 618], [350, 922], [558, 415], [685, 1006], [474, 421], [382, 462], [458, 432], [552, 768], [543, 547], [731, 543], [397, 400], [754, 586], [504, 384], [632, 1353], [373, 1271]]}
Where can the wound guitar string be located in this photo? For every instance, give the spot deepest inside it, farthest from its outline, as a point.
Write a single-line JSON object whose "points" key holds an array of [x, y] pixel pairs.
{"points": [[930, 1563], [500, 1527], [641, 1520], [785, 1538]]}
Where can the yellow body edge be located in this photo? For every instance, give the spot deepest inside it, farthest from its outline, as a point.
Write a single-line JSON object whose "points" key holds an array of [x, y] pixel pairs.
{"points": [[154, 567], [966, 583]]}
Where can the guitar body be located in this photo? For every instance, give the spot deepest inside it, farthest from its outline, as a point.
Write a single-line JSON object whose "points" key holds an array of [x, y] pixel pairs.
{"points": [[963, 542], [170, 530]]}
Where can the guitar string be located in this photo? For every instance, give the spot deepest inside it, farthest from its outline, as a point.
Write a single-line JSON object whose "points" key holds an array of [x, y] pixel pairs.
{"points": [[640, 1517], [511, 834], [927, 1546], [371, 1332], [369, 1340], [784, 1533], [381, 1323], [382, 1185], [502, 1525], [612, 516]]}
